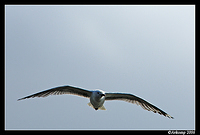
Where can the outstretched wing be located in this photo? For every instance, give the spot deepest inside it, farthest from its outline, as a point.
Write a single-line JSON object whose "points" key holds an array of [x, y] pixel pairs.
{"points": [[61, 90], [136, 100]]}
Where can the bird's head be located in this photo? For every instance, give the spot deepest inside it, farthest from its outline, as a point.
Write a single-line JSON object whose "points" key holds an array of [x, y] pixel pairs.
{"points": [[99, 93]]}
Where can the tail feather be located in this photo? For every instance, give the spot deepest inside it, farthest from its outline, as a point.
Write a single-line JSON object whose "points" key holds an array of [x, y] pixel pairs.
{"points": [[90, 105], [100, 108]]}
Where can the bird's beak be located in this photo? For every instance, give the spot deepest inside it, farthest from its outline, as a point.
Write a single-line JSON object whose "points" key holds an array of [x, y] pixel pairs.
{"points": [[103, 95]]}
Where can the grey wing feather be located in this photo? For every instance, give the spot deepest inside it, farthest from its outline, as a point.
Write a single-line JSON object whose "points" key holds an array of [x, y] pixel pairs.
{"points": [[136, 100], [61, 90]]}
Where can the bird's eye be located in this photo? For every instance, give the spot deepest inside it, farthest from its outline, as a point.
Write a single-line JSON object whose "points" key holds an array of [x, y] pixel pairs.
{"points": [[97, 92]]}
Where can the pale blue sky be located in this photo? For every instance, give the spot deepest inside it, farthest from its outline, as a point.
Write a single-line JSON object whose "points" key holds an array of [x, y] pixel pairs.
{"points": [[144, 50]]}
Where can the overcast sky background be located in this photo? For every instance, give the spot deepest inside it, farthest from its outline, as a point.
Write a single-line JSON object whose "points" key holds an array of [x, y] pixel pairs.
{"points": [[144, 50]]}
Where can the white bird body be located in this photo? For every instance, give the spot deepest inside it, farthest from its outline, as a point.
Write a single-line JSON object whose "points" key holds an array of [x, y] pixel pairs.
{"points": [[97, 100], [98, 97]]}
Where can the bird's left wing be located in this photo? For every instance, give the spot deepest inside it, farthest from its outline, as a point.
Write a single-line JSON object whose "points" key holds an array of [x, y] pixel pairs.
{"points": [[61, 90], [136, 100]]}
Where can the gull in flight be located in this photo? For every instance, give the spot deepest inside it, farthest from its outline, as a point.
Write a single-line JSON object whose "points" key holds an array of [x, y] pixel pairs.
{"points": [[98, 97]]}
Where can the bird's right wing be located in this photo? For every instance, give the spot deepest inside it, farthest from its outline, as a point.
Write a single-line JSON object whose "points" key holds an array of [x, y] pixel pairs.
{"points": [[136, 100], [61, 90]]}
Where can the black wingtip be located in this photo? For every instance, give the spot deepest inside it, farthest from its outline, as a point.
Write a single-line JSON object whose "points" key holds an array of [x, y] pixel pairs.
{"points": [[19, 99], [169, 116]]}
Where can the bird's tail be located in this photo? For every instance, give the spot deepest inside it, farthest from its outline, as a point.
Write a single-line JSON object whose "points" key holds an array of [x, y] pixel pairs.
{"points": [[101, 108]]}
